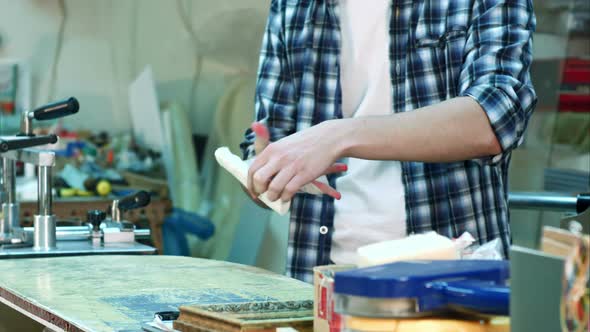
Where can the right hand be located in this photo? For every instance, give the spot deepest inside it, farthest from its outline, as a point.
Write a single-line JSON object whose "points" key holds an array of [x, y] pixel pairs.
{"points": [[263, 140]]}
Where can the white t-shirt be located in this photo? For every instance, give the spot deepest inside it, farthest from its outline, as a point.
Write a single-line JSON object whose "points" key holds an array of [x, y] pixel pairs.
{"points": [[372, 207]]}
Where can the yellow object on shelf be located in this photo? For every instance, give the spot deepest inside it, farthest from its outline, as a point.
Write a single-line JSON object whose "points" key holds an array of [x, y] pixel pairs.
{"points": [[84, 193], [103, 188], [67, 192]]}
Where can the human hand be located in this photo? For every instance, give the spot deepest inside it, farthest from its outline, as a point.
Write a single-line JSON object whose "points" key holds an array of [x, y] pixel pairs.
{"points": [[283, 167]]}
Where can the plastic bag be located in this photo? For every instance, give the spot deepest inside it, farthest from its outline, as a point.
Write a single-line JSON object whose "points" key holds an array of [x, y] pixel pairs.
{"points": [[463, 242], [469, 249], [490, 250]]}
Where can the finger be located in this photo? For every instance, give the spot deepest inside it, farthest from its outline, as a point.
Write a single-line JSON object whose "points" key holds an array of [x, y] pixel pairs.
{"points": [[326, 189], [336, 168], [262, 136], [278, 183], [258, 163], [249, 193], [292, 188], [262, 177]]}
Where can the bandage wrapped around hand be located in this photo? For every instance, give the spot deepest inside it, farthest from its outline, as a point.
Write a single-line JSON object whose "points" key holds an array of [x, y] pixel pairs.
{"points": [[239, 169]]}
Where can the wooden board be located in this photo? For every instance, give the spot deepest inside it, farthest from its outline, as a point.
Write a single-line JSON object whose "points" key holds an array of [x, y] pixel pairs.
{"points": [[255, 316], [119, 293]]}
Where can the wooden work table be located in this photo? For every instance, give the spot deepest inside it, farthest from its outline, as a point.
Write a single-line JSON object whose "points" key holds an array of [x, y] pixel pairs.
{"points": [[120, 293]]}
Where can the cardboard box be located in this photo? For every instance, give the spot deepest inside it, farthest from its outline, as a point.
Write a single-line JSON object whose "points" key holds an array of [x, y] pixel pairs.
{"points": [[324, 317]]}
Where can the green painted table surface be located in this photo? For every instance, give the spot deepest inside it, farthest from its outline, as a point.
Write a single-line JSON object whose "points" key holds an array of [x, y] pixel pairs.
{"points": [[119, 293]]}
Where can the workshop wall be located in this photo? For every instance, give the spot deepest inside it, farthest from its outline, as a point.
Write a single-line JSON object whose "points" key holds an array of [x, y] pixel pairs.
{"points": [[107, 43]]}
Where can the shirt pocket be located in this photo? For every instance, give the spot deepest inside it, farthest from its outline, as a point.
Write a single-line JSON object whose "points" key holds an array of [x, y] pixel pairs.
{"points": [[435, 61]]}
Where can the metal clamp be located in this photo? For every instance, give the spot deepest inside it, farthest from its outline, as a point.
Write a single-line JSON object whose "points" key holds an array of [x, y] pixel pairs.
{"points": [[44, 221]]}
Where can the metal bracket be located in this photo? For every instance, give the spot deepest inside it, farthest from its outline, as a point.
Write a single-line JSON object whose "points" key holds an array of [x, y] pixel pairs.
{"points": [[31, 156]]}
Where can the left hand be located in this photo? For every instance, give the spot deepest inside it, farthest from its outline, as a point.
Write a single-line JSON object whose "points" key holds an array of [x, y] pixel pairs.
{"points": [[285, 166]]}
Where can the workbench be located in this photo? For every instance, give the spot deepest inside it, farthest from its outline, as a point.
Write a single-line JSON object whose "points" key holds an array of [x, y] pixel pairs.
{"points": [[120, 293]]}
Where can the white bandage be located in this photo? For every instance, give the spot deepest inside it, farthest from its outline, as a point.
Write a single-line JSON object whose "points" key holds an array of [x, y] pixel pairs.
{"points": [[239, 169]]}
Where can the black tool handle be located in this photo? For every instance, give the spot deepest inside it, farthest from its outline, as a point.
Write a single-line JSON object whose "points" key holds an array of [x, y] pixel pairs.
{"points": [[583, 202], [21, 142], [134, 201], [57, 110]]}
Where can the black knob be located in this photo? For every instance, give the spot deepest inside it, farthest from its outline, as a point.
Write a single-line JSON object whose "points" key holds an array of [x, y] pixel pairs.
{"points": [[134, 201], [95, 218], [57, 110], [583, 202]]}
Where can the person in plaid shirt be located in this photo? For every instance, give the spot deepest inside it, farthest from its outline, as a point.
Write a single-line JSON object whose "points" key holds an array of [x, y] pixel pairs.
{"points": [[457, 101]]}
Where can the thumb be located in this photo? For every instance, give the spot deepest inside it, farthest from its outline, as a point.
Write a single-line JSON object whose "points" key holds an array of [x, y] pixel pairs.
{"points": [[262, 136]]}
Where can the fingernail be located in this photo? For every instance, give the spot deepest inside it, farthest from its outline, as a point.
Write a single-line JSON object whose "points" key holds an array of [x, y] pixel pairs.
{"points": [[260, 130]]}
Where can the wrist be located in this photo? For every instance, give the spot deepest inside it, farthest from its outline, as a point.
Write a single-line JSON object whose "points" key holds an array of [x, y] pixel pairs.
{"points": [[341, 132]]}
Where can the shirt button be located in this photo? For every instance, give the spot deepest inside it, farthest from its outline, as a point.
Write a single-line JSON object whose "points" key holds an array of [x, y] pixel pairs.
{"points": [[323, 230], [398, 69]]}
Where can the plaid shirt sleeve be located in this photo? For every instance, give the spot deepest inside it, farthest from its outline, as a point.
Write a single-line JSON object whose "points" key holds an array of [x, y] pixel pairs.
{"points": [[275, 102], [498, 55]]}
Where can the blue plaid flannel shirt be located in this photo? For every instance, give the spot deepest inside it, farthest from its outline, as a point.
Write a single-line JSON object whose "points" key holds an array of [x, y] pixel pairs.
{"points": [[438, 50]]}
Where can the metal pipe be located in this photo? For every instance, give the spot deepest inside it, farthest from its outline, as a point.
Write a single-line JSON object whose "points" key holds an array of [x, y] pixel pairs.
{"points": [[115, 212], [73, 232], [10, 208], [84, 232], [10, 218], [44, 235], [9, 179], [4, 226], [44, 198], [542, 201], [26, 125], [2, 189]]}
